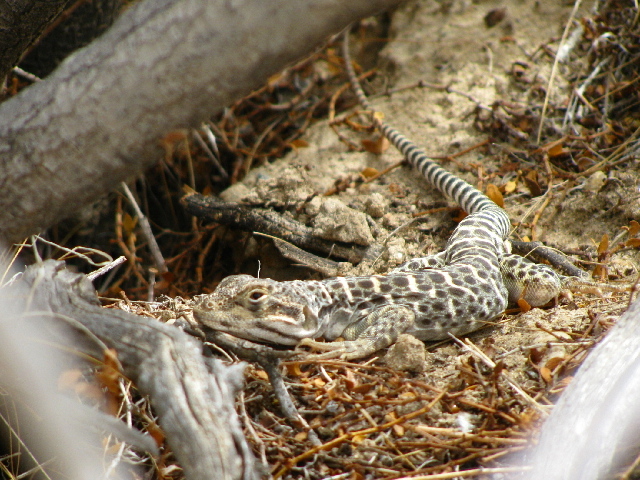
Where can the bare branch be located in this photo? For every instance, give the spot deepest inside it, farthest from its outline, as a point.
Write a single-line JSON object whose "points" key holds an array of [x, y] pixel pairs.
{"points": [[193, 397], [165, 64]]}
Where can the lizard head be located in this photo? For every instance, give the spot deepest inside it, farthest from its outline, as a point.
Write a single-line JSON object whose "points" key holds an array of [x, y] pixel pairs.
{"points": [[257, 309]]}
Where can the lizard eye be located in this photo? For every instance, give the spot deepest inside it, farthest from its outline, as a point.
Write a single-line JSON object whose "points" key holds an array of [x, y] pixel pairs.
{"points": [[257, 295]]}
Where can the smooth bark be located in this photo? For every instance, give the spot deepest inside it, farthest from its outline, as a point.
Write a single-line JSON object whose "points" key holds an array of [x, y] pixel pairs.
{"points": [[99, 118], [595, 427]]}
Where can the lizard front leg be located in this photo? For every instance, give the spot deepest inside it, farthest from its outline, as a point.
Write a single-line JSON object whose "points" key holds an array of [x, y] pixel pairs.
{"points": [[378, 330]]}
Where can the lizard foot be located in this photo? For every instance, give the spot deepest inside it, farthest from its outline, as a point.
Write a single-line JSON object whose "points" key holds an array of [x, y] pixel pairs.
{"points": [[344, 350]]}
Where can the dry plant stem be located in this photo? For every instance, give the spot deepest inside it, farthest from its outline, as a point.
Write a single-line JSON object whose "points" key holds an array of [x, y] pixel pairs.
{"points": [[26, 75], [248, 161], [128, 252], [450, 432], [202, 255], [200, 141], [536, 217], [252, 431], [385, 171], [463, 152], [554, 68], [53, 25], [147, 232], [271, 365], [348, 436], [548, 197], [468, 345], [73, 252], [343, 88], [95, 129], [40, 468], [476, 472], [104, 269], [190, 170]]}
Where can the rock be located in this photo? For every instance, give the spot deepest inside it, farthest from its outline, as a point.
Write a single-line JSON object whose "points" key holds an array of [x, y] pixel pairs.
{"points": [[335, 221], [407, 354]]}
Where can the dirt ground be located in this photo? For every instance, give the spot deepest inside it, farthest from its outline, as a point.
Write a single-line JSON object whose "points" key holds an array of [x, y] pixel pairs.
{"points": [[492, 73]]}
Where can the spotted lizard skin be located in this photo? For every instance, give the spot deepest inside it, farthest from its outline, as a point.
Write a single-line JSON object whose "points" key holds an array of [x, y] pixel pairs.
{"points": [[456, 291]]}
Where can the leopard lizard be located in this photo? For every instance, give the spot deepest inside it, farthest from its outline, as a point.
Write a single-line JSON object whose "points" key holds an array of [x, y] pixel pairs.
{"points": [[454, 292]]}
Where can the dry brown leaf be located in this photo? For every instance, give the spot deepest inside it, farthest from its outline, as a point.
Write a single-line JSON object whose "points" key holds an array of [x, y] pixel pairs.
{"points": [[109, 373], [632, 242], [494, 194], [298, 143], [531, 181], [604, 244], [557, 150], [129, 223], [369, 172], [377, 146], [633, 229], [553, 362], [293, 370], [545, 373], [318, 382], [510, 186]]}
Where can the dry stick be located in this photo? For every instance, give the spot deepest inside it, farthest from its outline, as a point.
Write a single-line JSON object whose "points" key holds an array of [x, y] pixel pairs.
{"points": [[554, 69], [288, 250], [147, 232], [348, 436], [202, 256], [468, 473], [210, 155], [548, 196], [129, 253], [252, 431], [191, 172], [248, 161], [24, 74], [76, 251], [612, 159], [266, 221], [469, 346], [104, 269], [450, 432]]}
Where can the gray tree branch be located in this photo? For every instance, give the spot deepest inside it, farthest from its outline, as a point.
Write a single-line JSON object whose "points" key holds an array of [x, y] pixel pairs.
{"points": [[593, 431], [192, 396], [165, 64]]}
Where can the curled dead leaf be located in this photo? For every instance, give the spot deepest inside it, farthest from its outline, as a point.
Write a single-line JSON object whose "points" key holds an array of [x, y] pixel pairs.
{"points": [[377, 146], [493, 192]]}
